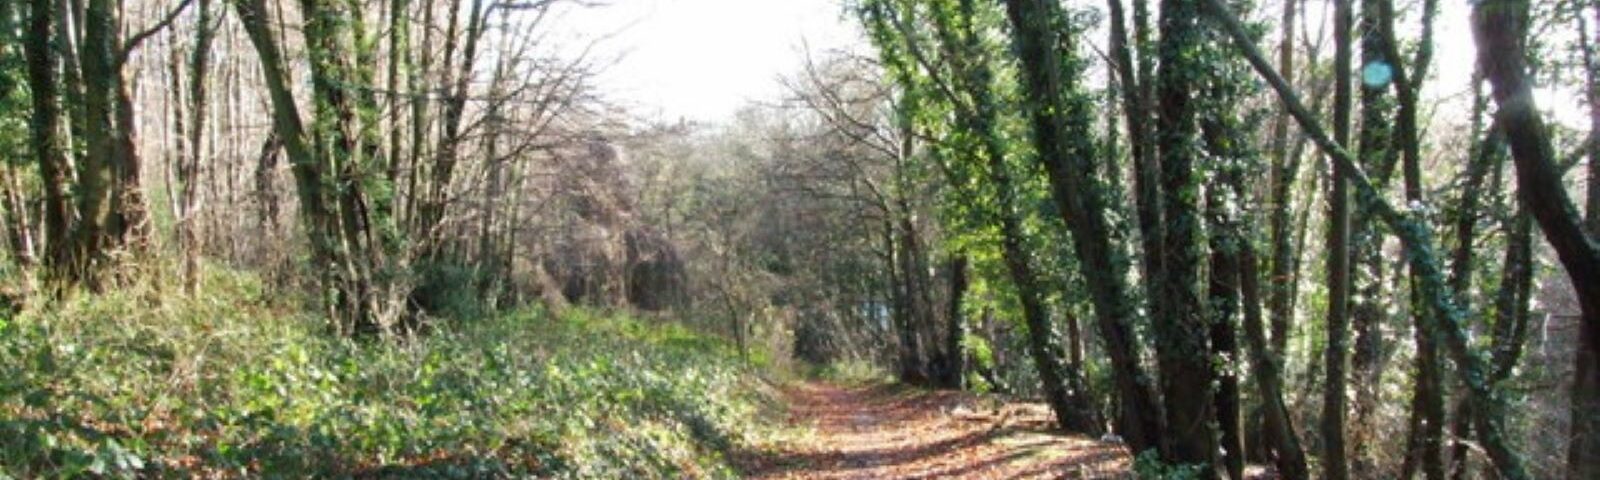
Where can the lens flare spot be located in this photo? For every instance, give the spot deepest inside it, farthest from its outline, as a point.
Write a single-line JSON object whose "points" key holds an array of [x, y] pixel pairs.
{"points": [[1376, 74]]}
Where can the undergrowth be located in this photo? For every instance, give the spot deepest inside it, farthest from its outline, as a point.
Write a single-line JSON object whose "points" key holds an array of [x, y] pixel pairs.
{"points": [[851, 372], [233, 382]]}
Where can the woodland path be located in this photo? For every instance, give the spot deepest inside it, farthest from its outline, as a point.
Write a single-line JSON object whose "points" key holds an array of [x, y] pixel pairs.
{"points": [[889, 432]]}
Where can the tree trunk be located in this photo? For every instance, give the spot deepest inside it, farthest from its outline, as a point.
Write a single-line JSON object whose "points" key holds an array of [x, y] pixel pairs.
{"points": [[188, 236], [1062, 391], [1136, 112], [1592, 94], [1335, 466], [1223, 299], [1485, 154], [1063, 386], [900, 310], [1499, 28], [1284, 168], [44, 127], [132, 225], [1279, 429], [1187, 368], [955, 368], [308, 168], [1061, 136], [1418, 243], [1228, 158], [449, 144], [97, 180], [1376, 149], [18, 233], [266, 194]]}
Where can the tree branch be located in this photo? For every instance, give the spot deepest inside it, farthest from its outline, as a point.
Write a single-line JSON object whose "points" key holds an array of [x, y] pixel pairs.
{"points": [[138, 38]]}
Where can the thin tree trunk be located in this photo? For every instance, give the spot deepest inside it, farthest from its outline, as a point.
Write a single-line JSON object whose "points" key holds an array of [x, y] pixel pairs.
{"points": [[1065, 399], [1288, 455], [1335, 465], [1223, 300], [1592, 95], [1485, 155], [399, 64], [454, 109], [1282, 276], [1136, 112], [266, 194], [899, 309], [19, 233], [188, 236]]}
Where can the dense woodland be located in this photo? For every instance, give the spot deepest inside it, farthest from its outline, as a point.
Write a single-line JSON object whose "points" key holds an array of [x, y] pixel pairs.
{"points": [[1224, 234]]}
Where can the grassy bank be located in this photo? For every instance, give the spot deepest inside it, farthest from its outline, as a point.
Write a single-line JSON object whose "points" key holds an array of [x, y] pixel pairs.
{"points": [[234, 382]]}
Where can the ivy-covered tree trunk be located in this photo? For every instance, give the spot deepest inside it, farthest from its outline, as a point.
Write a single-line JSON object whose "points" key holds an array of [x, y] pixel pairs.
{"points": [[1375, 148], [44, 128], [978, 117], [1063, 386], [399, 67], [909, 351], [97, 180], [346, 133], [1059, 115], [1406, 145], [1513, 299], [1499, 28], [131, 226], [1187, 364], [915, 280], [1233, 285]]}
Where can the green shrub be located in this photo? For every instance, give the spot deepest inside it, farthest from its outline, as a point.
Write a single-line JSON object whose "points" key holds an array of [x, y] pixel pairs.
{"points": [[448, 289]]}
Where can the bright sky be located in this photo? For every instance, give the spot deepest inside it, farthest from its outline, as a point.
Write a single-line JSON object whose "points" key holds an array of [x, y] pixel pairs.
{"points": [[703, 59]]}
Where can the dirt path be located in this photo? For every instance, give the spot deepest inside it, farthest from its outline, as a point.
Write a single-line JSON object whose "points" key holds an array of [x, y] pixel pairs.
{"points": [[883, 432]]}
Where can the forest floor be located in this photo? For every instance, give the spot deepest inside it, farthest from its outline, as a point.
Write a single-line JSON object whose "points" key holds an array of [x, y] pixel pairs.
{"points": [[890, 432]]}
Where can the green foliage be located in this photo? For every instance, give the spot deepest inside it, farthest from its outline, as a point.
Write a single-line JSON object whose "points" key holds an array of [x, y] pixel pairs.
{"points": [[448, 289], [143, 382], [1148, 466]]}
